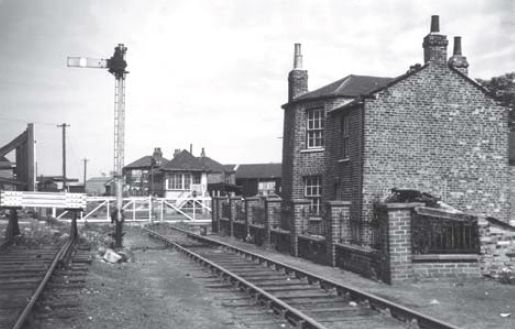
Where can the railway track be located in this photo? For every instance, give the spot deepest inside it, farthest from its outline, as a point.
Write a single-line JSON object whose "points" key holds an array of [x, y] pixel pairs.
{"points": [[302, 298], [24, 276]]}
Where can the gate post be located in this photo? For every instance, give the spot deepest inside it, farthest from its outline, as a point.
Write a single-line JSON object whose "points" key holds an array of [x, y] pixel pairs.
{"points": [[299, 215], [338, 227]]}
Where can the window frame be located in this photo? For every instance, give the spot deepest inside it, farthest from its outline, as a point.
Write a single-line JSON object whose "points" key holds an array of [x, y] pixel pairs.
{"points": [[313, 192], [315, 128], [345, 135]]}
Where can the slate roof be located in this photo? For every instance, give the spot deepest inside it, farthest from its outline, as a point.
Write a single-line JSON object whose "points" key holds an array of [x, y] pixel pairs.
{"points": [[259, 170], [230, 168], [351, 86], [211, 165], [184, 160], [143, 162]]}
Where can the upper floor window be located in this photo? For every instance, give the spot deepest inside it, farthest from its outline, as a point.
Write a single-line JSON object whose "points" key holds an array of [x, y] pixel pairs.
{"points": [[315, 128], [345, 133], [313, 192], [197, 178]]}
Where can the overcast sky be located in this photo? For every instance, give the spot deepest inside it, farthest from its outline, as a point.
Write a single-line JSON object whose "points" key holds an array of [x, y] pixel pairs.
{"points": [[212, 73]]}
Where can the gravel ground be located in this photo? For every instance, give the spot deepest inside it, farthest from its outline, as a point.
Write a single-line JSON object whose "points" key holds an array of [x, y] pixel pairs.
{"points": [[157, 289], [467, 303]]}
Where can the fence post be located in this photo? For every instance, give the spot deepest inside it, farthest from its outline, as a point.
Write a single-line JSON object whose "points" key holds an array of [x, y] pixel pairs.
{"points": [[272, 205], [214, 214], [298, 215], [232, 215]]}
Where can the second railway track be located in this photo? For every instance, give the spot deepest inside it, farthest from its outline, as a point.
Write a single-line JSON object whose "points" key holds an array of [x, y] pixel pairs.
{"points": [[302, 298], [25, 275]]}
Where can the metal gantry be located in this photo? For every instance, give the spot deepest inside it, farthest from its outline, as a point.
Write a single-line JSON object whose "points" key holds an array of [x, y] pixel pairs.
{"points": [[116, 66]]}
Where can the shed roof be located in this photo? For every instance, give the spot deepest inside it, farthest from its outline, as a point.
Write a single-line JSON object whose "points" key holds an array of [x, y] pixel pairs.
{"points": [[259, 170]]}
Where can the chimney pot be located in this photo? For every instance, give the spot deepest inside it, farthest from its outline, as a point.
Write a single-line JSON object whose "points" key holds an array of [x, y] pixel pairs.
{"points": [[435, 24], [297, 57], [457, 46]]}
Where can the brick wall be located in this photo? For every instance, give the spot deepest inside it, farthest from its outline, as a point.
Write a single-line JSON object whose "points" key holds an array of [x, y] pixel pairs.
{"points": [[437, 132], [497, 249], [343, 176]]}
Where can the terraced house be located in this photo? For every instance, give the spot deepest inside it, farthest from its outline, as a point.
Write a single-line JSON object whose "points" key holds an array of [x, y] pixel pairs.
{"points": [[432, 128]]}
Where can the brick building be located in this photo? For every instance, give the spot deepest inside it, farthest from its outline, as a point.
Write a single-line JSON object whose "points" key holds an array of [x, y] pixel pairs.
{"points": [[433, 128]]}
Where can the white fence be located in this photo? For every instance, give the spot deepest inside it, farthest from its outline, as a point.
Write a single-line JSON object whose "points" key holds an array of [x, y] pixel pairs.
{"points": [[144, 209]]}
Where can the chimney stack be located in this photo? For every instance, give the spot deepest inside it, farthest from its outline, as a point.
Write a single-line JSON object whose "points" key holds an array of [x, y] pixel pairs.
{"points": [[157, 155], [177, 151], [191, 149], [297, 57], [203, 153], [297, 78], [435, 44], [435, 24], [458, 61]]}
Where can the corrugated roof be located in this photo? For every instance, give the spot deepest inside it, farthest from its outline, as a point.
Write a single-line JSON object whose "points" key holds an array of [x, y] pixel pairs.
{"points": [[350, 86], [259, 170]]}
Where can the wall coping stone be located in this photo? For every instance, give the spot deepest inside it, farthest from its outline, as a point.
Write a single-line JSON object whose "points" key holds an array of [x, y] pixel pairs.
{"points": [[236, 198], [446, 257], [280, 231], [300, 201], [339, 203], [252, 198], [356, 248], [312, 237], [273, 199], [401, 206]]}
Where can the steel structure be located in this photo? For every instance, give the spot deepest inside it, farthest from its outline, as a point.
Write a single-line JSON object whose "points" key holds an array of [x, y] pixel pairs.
{"points": [[116, 66]]}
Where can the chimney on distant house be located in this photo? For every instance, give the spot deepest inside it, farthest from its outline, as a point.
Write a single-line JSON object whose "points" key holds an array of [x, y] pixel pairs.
{"points": [[177, 151], [157, 156], [458, 61], [297, 78], [435, 44], [203, 153]]}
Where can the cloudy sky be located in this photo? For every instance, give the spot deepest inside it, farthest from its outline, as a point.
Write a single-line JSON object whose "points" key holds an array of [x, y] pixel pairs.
{"points": [[210, 72]]}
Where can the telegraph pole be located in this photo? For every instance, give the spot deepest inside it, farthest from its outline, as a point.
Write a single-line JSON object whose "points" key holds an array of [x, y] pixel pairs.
{"points": [[63, 126]]}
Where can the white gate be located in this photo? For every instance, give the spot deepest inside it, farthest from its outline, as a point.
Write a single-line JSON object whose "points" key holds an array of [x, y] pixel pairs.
{"points": [[146, 209]]}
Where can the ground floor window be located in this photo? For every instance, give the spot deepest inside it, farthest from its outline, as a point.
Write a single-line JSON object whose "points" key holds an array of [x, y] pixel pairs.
{"points": [[313, 192], [178, 181], [266, 187]]}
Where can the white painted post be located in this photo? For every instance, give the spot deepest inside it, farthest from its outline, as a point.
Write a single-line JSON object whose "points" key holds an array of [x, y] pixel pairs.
{"points": [[108, 206], [150, 209], [54, 212]]}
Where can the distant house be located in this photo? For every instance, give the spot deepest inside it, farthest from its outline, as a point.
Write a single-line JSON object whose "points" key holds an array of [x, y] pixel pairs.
{"points": [[99, 186], [186, 175], [259, 179], [143, 177], [55, 184]]}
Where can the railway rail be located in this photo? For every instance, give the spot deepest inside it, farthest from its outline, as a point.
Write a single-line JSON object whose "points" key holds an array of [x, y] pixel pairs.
{"points": [[24, 275], [302, 298]]}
